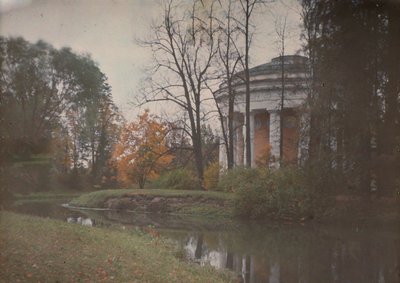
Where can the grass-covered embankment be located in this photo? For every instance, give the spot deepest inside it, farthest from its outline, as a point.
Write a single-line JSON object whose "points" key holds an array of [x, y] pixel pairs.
{"points": [[44, 250], [192, 202], [50, 196]]}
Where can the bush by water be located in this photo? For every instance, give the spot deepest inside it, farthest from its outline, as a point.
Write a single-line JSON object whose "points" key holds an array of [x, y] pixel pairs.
{"points": [[267, 192]]}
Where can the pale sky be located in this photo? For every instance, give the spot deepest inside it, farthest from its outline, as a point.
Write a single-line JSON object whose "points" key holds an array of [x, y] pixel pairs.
{"points": [[107, 29]]}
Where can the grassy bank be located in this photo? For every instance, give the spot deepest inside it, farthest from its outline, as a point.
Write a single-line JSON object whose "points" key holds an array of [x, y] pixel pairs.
{"points": [[97, 199], [197, 202], [51, 196], [43, 250]]}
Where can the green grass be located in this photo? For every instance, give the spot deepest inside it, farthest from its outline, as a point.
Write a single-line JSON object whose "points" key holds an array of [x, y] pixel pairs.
{"points": [[43, 250], [45, 197], [48, 195], [97, 199]]}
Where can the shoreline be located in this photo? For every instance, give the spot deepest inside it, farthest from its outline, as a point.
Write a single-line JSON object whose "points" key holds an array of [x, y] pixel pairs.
{"points": [[66, 252], [203, 204]]}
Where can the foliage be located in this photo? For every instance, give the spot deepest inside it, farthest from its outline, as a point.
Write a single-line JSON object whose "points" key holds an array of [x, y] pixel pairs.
{"points": [[211, 176], [177, 179], [232, 178], [142, 151], [55, 103], [323, 180], [354, 89], [269, 193]]}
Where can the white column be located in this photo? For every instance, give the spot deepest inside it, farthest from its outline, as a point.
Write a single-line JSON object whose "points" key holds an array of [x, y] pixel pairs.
{"points": [[253, 163], [236, 142], [251, 139], [222, 150], [304, 138], [222, 155], [244, 140], [275, 273], [274, 136]]}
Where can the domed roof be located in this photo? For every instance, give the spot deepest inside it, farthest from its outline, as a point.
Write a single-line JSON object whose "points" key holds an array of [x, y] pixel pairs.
{"points": [[293, 63], [267, 77]]}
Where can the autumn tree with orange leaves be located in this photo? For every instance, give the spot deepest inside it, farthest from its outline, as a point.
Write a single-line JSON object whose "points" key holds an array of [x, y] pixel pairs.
{"points": [[142, 151]]}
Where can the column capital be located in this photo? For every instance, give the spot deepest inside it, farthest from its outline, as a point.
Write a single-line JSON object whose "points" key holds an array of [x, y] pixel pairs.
{"points": [[273, 111]]}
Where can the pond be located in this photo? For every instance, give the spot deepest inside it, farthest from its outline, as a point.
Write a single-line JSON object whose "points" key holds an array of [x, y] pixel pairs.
{"points": [[263, 252]]}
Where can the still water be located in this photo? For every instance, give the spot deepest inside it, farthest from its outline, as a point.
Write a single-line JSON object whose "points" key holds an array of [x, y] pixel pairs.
{"points": [[264, 252]]}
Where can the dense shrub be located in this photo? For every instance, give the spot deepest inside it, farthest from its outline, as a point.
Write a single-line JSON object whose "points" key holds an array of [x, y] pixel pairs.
{"points": [[233, 178], [178, 179], [28, 176], [321, 178], [211, 176], [267, 192]]}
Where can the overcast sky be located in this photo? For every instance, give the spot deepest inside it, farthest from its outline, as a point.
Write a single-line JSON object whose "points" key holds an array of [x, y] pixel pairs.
{"points": [[106, 29]]}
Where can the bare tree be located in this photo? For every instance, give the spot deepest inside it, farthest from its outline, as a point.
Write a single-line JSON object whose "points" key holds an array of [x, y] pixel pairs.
{"points": [[228, 59], [280, 28], [235, 22], [247, 9], [183, 47]]}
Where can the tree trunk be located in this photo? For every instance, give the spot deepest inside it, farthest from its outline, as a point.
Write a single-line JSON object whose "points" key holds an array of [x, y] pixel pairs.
{"points": [[282, 106], [247, 80], [230, 126]]}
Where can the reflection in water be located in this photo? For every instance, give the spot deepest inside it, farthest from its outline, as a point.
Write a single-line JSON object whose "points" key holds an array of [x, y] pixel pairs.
{"points": [[83, 221], [302, 257], [260, 252], [274, 273], [199, 247]]}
